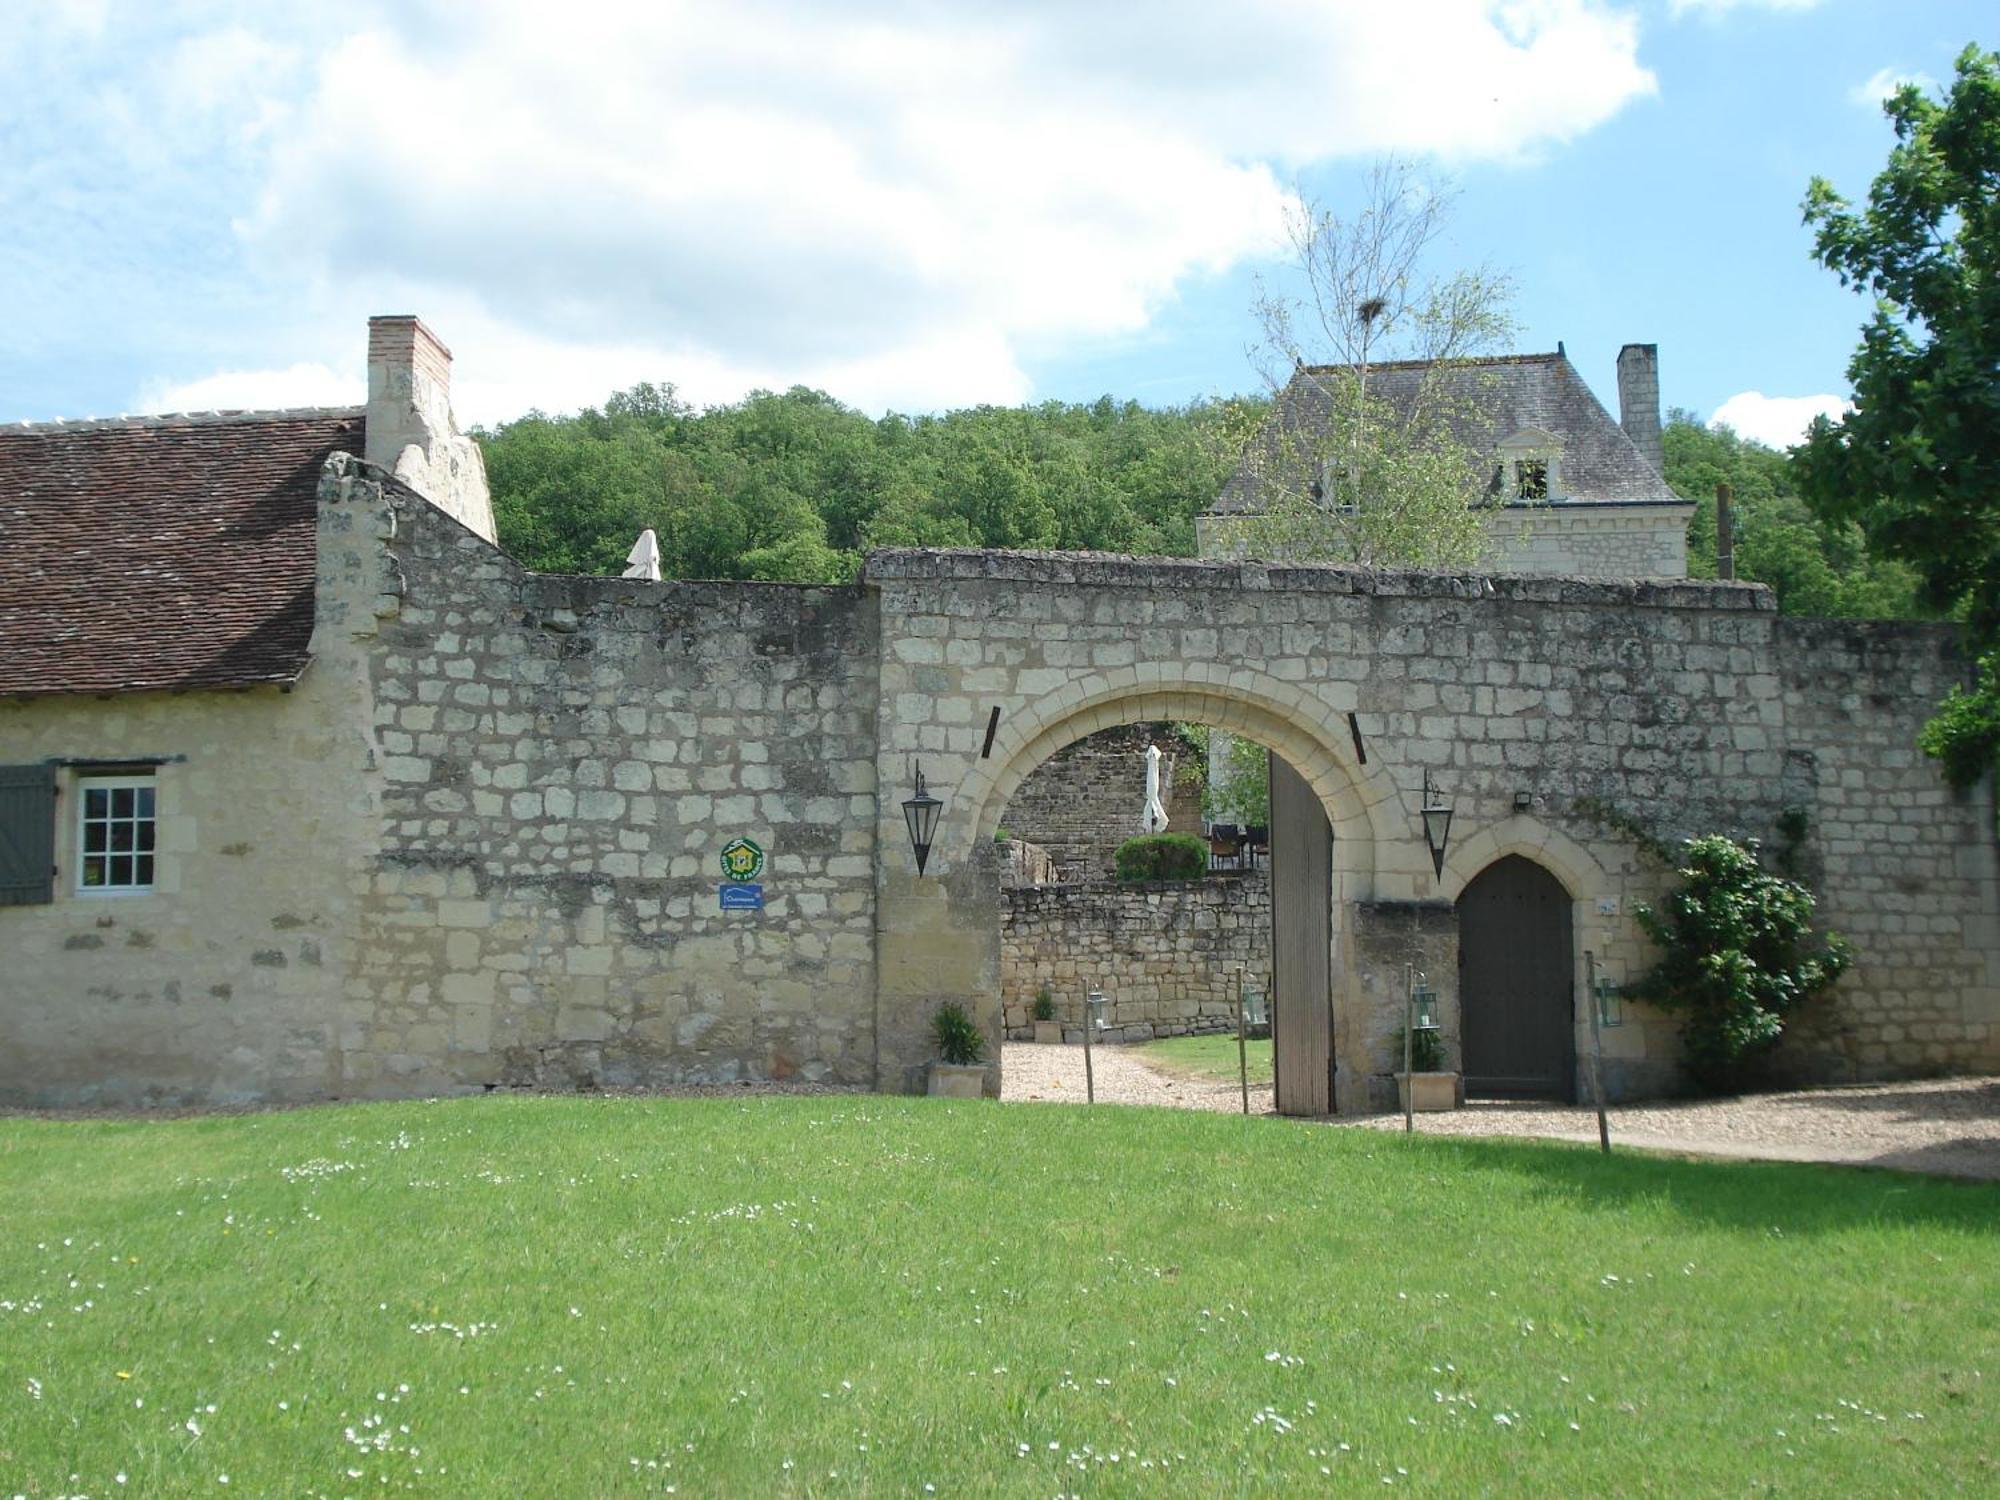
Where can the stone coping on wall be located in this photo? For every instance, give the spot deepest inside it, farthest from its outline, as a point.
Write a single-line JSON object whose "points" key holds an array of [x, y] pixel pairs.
{"points": [[1113, 570]]}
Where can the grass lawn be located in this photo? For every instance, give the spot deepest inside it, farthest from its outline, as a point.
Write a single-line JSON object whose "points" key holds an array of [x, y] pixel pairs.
{"points": [[856, 1295], [1208, 1057]]}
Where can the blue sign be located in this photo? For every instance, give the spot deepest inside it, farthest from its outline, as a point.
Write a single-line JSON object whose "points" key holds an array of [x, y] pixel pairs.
{"points": [[742, 898]]}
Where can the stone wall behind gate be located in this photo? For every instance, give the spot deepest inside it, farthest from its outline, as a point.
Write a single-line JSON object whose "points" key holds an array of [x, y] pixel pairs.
{"points": [[1085, 800], [1171, 956]]}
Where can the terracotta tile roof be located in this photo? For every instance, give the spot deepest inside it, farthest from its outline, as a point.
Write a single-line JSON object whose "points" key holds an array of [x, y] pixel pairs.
{"points": [[1489, 400], [151, 553]]}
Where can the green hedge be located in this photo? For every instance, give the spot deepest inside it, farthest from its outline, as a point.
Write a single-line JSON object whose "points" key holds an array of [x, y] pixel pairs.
{"points": [[1162, 856]]}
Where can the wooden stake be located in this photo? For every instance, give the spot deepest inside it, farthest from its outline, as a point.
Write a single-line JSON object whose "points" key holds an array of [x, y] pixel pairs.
{"points": [[1089, 1077], [1409, 1049], [1596, 1054], [1242, 1051]]}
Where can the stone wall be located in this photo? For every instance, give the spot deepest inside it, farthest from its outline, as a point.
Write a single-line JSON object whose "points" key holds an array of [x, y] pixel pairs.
{"points": [[1171, 956], [1593, 540], [478, 844], [1023, 863], [563, 760], [1574, 722], [1085, 800], [1590, 541], [220, 984]]}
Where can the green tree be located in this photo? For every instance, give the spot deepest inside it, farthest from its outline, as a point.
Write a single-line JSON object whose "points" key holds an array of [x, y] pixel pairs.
{"points": [[1813, 567], [1347, 476], [1916, 464], [1238, 787], [1738, 959], [795, 486]]}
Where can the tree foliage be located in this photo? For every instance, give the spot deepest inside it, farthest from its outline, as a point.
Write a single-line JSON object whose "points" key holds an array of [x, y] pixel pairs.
{"points": [[1237, 785], [1372, 481], [797, 486], [1916, 463], [1738, 959], [1815, 567]]}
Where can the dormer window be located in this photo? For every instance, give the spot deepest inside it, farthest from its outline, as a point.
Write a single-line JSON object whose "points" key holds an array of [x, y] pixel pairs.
{"points": [[1531, 467]]}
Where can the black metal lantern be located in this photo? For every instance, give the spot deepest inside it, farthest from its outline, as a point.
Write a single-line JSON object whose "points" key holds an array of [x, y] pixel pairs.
{"points": [[1437, 823], [921, 814]]}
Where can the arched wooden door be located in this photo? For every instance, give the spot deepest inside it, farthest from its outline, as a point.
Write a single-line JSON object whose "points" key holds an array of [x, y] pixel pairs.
{"points": [[1516, 977]]}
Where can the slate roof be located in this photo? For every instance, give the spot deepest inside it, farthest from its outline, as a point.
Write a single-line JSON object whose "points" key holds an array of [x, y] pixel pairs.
{"points": [[1492, 399], [153, 553]]}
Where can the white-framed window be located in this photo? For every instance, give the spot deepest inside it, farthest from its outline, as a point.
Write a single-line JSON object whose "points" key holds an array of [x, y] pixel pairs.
{"points": [[115, 833]]}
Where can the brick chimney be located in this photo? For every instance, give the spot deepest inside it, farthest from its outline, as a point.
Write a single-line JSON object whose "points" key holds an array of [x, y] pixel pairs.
{"points": [[411, 432], [1639, 401]]}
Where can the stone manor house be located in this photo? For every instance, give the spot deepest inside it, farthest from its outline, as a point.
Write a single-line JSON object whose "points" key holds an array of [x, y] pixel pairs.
{"points": [[308, 791]]}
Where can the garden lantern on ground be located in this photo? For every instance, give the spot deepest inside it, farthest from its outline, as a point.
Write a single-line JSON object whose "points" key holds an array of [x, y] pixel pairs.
{"points": [[1423, 1005]]}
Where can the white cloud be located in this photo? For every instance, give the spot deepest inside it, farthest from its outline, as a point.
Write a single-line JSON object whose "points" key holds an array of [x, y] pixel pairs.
{"points": [[1776, 421], [251, 390], [894, 202], [1720, 7], [1871, 91]]}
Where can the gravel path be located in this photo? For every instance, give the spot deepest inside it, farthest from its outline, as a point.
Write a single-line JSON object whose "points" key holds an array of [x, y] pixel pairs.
{"points": [[1946, 1126], [1031, 1071]]}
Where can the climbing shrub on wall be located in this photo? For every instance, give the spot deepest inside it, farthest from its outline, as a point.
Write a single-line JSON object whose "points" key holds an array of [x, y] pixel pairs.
{"points": [[1161, 856], [1738, 959]]}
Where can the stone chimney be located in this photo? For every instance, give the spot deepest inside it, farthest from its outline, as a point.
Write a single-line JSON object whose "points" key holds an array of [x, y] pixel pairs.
{"points": [[410, 428], [1639, 401]]}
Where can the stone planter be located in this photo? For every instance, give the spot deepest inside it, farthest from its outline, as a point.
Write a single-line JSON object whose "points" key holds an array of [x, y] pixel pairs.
{"points": [[1048, 1033], [1435, 1091], [958, 1080]]}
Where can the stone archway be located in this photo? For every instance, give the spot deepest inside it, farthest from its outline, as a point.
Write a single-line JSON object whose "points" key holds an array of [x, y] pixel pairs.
{"points": [[1341, 805]]}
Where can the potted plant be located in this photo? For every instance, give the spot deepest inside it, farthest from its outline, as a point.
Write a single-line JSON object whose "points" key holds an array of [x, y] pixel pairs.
{"points": [[959, 1074], [1434, 1087], [1047, 1027]]}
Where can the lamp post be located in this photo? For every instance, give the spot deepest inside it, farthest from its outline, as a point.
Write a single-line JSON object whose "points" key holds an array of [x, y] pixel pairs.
{"points": [[920, 813], [1437, 823]]}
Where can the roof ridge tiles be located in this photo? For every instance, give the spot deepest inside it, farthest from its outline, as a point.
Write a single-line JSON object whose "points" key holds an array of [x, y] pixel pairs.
{"points": [[1463, 359], [180, 419]]}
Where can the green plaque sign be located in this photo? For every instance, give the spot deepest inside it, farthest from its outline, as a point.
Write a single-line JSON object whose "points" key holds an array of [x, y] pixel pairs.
{"points": [[742, 860]]}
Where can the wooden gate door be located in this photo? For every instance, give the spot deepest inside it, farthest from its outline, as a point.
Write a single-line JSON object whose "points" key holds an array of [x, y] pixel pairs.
{"points": [[1516, 974], [1301, 945]]}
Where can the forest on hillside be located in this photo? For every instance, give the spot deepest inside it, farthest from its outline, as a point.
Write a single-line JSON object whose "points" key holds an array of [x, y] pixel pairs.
{"points": [[797, 487]]}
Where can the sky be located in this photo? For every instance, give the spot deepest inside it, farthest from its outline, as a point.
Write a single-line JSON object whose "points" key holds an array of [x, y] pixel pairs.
{"points": [[913, 206]]}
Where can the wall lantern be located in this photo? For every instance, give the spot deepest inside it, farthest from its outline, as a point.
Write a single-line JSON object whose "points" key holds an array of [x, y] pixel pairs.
{"points": [[1097, 1005], [1437, 823], [921, 813]]}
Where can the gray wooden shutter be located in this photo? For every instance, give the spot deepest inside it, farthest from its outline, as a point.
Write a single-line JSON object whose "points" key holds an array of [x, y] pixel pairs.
{"points": [[27, 835]]}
